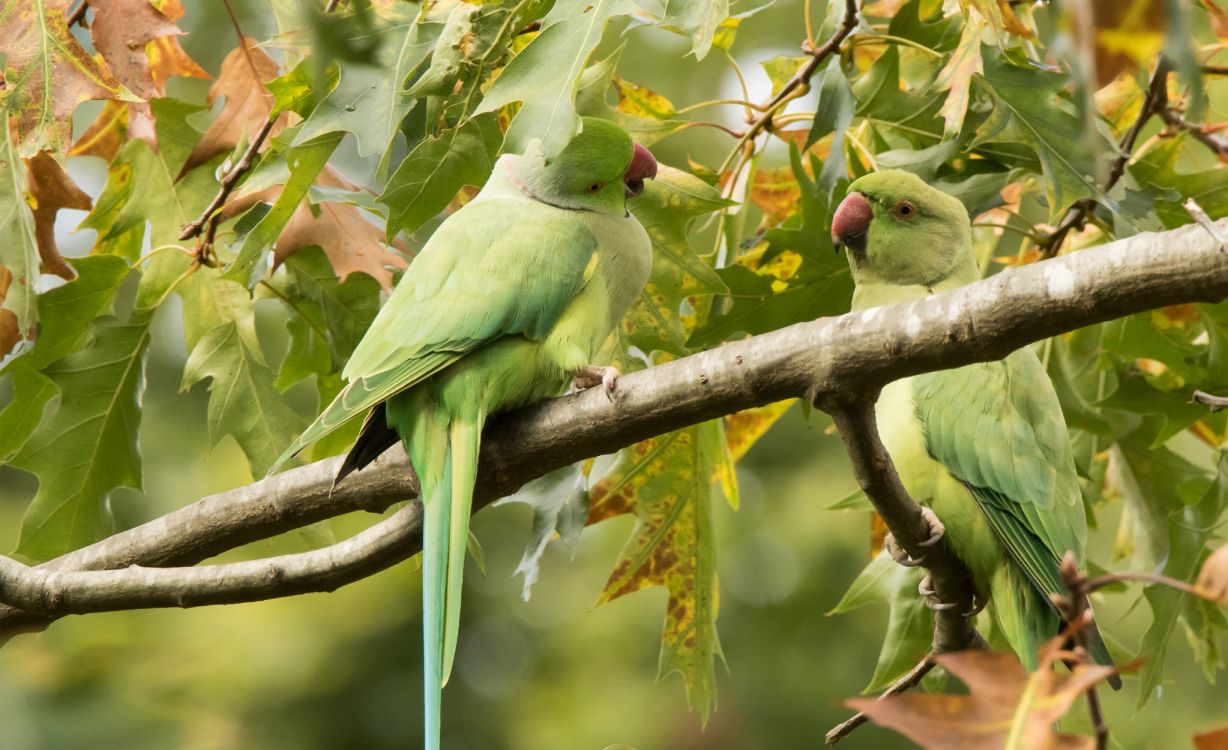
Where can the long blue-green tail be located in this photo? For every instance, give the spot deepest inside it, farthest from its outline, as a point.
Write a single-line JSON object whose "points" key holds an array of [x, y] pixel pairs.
{"points": [[444, 450]]}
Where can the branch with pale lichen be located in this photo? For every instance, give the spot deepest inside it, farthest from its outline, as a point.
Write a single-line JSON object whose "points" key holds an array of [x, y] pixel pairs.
{"points": [[842, 358]]}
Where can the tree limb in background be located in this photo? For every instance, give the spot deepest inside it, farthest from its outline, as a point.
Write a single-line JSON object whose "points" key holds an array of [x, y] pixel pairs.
{"points": [[854, 353]]}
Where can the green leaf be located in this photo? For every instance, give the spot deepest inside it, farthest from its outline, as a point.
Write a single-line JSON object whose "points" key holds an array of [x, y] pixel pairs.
{"points": [[305, 164], [669, 204], [18, 253], [698, 19], [910, 625], [86, 448], [243, 401], [32, 391], [369, 100], [546, 75], [667, 482], [1189, 530], [327, 317], [437, 168], [1028, 110], [835, 112], [65, 308]]}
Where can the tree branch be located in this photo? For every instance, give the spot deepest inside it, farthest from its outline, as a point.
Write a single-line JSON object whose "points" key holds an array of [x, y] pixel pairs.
{"points": [[55, 593], [839, 358], [954, 630]]}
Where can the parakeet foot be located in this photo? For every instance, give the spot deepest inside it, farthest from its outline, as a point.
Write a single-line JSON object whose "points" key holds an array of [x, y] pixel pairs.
{"points": [[936, 529], [594, 375], [926, 589]]}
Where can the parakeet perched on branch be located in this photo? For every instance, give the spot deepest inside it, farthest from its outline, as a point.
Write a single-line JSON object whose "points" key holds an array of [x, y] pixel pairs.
{"points": [[984, 446], [508, 302]]}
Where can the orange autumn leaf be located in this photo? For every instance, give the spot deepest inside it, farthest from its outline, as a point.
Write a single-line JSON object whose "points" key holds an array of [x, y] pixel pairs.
{"points": [[776, 193], [106, 134], [248, 103], [48, 189], [1213, 740]]}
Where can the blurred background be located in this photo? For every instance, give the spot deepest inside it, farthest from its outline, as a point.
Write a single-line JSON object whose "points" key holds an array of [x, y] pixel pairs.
{"points": [[343, 669]]}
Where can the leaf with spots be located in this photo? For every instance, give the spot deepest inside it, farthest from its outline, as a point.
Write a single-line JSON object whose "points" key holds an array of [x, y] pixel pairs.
{"points": [[668, 483], [666, 209], [47, 74]]}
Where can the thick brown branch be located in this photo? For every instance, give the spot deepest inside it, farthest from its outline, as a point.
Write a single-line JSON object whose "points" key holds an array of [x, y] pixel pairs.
{"points": [[980, 322]]}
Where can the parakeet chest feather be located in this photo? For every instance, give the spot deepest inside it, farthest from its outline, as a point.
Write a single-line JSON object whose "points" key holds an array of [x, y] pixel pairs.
{"points": [[930, 483], [614, 278]]}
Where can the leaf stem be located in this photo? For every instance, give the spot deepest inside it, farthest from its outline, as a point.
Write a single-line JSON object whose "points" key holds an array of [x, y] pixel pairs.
{"points": [[714, 102], [857, 40], [212, 214]]}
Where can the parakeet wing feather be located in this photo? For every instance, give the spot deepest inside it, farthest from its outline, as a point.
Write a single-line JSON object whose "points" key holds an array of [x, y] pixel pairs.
{"points": [[528, 264]]}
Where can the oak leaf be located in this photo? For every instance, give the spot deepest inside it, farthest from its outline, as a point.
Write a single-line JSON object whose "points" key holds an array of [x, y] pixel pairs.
{"points": [[48, 189], [351, 242], [248, 103], [1007, 707], [48, 74]]}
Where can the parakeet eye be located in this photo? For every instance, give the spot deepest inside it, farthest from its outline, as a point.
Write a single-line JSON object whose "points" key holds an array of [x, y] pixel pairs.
{"points": [[904, 210], [595, 187]]}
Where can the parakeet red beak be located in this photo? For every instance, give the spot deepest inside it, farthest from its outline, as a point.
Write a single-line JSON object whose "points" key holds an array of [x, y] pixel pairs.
{"points": [[851, 222], [642, 167]]}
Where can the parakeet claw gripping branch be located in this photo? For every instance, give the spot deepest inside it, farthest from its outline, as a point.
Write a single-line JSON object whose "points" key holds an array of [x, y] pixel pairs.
{"points": [[508, 302], [984, 446]]}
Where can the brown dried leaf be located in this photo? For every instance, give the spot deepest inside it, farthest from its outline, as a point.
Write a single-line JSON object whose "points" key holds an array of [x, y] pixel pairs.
{"points": [[48, 189], [1213, 740], [351, 242], [120, 30], [10, 333], [48, 74], [1213, 580], [244, 73], [1005, 703]]}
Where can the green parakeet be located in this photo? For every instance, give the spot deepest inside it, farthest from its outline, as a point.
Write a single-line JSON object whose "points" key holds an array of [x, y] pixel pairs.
{"points": [[984, 446], [508, 302]]}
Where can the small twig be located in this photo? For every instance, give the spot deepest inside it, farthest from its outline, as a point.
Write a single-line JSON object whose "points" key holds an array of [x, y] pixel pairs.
{"points": [[1176, 120], [907, 682], [1154, 102], [530, 28], [1205, 222], [698, 124], [332, 5], [208, 218], [1214, 403], [78, 14], [1095, 584], [1215, 70], [1077, 611], [234, 22]]}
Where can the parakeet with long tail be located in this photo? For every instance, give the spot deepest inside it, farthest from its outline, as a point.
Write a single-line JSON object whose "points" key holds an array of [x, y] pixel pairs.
{"points": [[508, 302], [984, 446]]}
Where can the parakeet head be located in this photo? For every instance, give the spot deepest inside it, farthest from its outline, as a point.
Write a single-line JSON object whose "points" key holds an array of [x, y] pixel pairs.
{"points": [[899, 230], [598, 171]]}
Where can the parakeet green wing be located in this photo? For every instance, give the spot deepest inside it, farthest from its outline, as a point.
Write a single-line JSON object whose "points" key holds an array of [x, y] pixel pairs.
{"points": [[527, 278], [998, 428]]}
